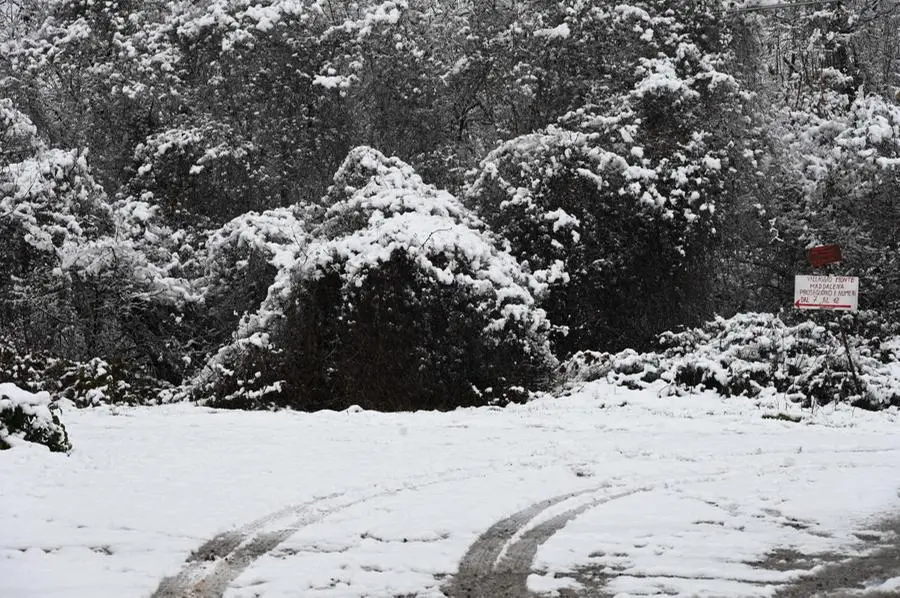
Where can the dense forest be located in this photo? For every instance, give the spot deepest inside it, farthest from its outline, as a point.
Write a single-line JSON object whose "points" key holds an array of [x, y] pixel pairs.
{"points": [[438, 203]]}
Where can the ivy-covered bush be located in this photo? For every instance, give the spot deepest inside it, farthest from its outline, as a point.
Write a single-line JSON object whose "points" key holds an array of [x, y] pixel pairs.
{"points": [[756, 354], [30, 417], [399, 299]]}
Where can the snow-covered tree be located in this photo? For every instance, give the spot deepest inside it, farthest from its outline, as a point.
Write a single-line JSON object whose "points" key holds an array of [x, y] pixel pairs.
{"points": [[132, 290], [846, 177], [97, 75], [619, 199], [49, 201], [79, 277]]}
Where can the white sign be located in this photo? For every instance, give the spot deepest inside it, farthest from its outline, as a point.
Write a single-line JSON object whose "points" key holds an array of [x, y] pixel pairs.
{"points": [[826, 292]]}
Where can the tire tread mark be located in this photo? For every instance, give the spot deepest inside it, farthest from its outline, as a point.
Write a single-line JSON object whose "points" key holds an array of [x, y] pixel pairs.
{"points": [[477, 567], [215, 557], [210, 569], [515, 567]]}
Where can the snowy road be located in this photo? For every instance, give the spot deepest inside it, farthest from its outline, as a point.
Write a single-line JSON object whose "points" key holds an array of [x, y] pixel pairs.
{"points": [[605, 493]]}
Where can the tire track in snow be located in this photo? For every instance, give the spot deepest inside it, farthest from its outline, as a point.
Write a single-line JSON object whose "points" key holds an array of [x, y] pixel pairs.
{"points": [[498, 563], [210, 570], [216, 563]]}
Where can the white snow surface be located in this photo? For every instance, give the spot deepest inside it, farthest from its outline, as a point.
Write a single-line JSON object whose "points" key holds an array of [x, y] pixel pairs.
{"points": [[680, 494]]}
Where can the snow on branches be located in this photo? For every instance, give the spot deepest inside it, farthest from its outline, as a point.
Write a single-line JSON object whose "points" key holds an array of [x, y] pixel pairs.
{"points": [[47, 196]]}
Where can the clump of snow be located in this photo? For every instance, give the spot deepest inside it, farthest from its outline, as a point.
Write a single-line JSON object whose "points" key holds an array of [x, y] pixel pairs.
{"points": [[334, 81], [561, 31], [17, 133], [385, 13]]}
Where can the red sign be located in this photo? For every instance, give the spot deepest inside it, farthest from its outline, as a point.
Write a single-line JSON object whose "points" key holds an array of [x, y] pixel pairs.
{"points": [[824, 255]]}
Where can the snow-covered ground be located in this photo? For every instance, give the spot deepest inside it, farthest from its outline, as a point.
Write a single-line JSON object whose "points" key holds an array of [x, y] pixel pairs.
{"points": [[689, 496]]}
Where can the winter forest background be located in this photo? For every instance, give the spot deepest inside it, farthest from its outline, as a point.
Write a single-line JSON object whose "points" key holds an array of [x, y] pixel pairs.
{"points": [[434, 203]]}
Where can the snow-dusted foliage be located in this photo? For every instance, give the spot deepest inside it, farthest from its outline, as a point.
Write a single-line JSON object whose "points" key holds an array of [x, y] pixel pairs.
{"points": [[624, 169], [132, 289], [398, 299], [244, 261], [842, 178], [619, 199], [18, 134], [181, 167], [144, 253], [49, 202], [80, 277], [109, 66], [260, 133], [761, 355], [30, 417], [48, 197], [90, 383], [855, 143]]}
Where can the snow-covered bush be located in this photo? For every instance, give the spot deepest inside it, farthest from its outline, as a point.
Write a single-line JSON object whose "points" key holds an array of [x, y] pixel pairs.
{"points": [[626, 368], [243, 258], [399, 299], [754, 354], [99, 382], [86, 384], [603, 216], [30, 417], [807, 361], [23, 369]]}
